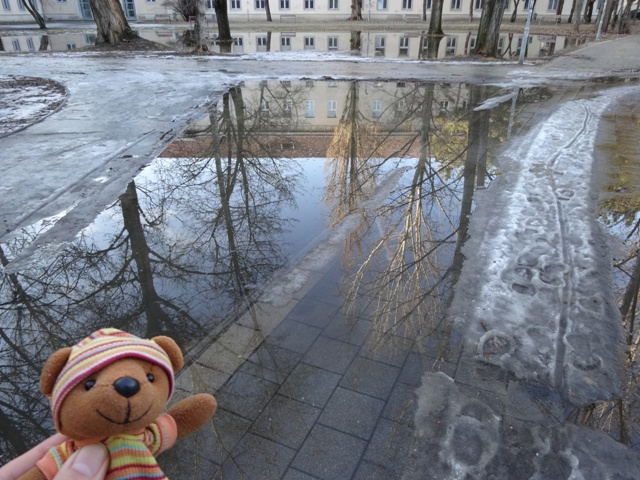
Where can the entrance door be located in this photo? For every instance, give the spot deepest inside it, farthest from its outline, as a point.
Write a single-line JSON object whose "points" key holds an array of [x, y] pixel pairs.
{"points": [[129, 8]]}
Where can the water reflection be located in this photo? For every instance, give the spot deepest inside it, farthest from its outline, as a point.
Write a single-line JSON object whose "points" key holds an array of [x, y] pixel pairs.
{"points": [[393, 45], [198, 235]]}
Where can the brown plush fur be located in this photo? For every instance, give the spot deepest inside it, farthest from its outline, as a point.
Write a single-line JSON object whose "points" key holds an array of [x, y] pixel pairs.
{"points": [[100, 412]]}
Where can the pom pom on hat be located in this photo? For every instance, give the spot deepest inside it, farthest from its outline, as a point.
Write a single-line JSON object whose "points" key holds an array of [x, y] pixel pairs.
{"points": [[100, 349]]}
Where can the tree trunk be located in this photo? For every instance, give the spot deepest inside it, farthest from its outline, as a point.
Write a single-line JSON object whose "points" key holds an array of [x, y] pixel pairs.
{"points": [[424, 10], [112, 25], [607, 16], [31, 8], [356, 10], [489, 29], [224, 31], [267, 9], [435, 24], [588, 12], [577, 19], [199, 33], [268, 41], [471, 11], [560, 7], [623, 26], [44, 43], [573, 9], [356, 41]]}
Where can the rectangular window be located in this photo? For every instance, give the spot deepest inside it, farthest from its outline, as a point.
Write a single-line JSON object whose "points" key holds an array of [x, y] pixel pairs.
{"points": [[525, 4], [238, 45], [382, 4], [6, 6], [16, 44], [472, 43], [309, 43], [261, 44], [150, 1], [287, 107], [406, 4], [71, 46], [309, 108], [451, 46], [20, 5], [309, 4], [285, 44], [376, 108], [455, 4], [284, 5], [30, 45], [235, 4], [429, 2], [553, 5], [210, 4], [264, 105], [333, 4], [259, 4], [380, 46], [333, 43], [332, 108], [444, 105], [500, 45], [404, 46], [478, 4]]}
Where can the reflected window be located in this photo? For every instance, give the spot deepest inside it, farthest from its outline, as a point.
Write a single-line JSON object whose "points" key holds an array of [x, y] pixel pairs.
{"points": [[382, 4], [238, 45], [478, 4], [526, 4], [332, 108], [553, 5], [90, 38], [30, 44], [376, 108], [472, 43], [285, 44], [452, 42], [16, 45], [380, 46], [309, 84], [500, 45], [235, 4], [333, 4], [287, 107], [309, 108], [259, 4], [20, 5], [444, 105], [309, 43], [333, 43], [261, 43], [264, 105], [455, 4], [429, 2], [309, 4], [404, 46], [286, 83], [5, 5], [284, 5], [210, 4], [407, 4], [71, 46]]}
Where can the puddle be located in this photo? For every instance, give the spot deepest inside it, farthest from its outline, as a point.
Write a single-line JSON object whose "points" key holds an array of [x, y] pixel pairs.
{"points": [[303, 242], [379, 44]]}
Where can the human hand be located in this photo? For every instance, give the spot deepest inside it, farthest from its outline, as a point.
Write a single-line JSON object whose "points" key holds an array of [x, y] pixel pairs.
{"points": [[88, 463]]}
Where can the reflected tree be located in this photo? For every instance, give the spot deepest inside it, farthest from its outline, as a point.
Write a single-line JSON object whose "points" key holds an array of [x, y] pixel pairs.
{"points": [[489, 28], [110, 21]]}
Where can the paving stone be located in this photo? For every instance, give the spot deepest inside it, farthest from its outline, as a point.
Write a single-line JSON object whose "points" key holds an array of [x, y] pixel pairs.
{"points": [[374, 471], [286, 421], [402, 404], [293, 474], [310, 384], [352, 412], [370, 377], [314, 313], [329, 454], [246, 395], [271, 363], [255, 458], [331, 355], [416, 366], [352, 331], [294, 336], [389, 349], [390, 446]]}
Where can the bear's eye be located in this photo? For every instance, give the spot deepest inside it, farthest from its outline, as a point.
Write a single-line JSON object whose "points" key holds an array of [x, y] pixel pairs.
{"points": [[89, 385], [150, 377]]}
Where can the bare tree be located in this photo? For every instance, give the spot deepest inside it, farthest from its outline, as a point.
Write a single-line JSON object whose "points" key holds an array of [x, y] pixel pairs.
{"points": [[185, 8], [489, 29], [110, 21], [30, 5], [435, 23], [356, 10], [514, 15], [224, 30], [267, 9], [577, 18]]}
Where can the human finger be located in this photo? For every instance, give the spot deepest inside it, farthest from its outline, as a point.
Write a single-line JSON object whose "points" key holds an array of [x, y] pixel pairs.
{"points": [[88, 463], [25, 462]]}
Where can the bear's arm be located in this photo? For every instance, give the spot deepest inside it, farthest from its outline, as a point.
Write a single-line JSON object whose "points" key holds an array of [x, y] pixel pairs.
{"points": [[34, 474], [192, 413]]}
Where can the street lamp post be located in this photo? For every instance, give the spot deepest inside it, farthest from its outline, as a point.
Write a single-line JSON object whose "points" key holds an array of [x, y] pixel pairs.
{"points": [[525, 35]]}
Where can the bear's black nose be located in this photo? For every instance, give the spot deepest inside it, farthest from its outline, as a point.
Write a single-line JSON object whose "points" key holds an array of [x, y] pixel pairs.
{"points": [[127, 386]]}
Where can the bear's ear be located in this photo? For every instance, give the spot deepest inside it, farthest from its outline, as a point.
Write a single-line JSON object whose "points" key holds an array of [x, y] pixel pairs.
{"points": [[52, 369], [172, 349]]}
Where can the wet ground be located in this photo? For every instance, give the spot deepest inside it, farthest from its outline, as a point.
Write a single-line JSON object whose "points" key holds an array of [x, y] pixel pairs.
{"points": [[376, 279]]}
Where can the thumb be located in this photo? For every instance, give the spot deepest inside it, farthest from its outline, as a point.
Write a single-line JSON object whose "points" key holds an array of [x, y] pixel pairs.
{"points": [[88, 463]]}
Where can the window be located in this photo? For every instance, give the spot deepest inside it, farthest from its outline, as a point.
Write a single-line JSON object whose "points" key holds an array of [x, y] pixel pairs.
{"points": [[284, 5], [478, 4], [333, 43], [16, 44], [333, 4], [235, 4], [333, 84], [90, 39], [30, 45], [380, 46], [429, 2], [500, 45], [287, 107], [451, 46], [285, 44], [332, 108], [382, 4], [286, 83], [472, 43], [376, 108], [261, 43], [553, 5], [71, 46], [20, 5], [150, 1], [309, 108], [309, 83], [309, 43], [526, 4], [259, 4], [6, 6], [404, 46], [444, 105], [309, 4], [238, 45], [264, 105], [406, 4], [455, 4], [210, 4]]}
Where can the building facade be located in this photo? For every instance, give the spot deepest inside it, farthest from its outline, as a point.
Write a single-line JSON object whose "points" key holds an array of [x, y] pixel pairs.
{"points": [[281, 10]]}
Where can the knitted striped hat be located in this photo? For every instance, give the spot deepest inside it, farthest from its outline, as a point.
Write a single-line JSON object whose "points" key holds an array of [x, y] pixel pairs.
{"points": [[98, 350]]}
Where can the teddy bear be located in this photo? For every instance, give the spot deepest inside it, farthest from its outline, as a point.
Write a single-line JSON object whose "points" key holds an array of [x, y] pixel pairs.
{"points": [[113, 387]]}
